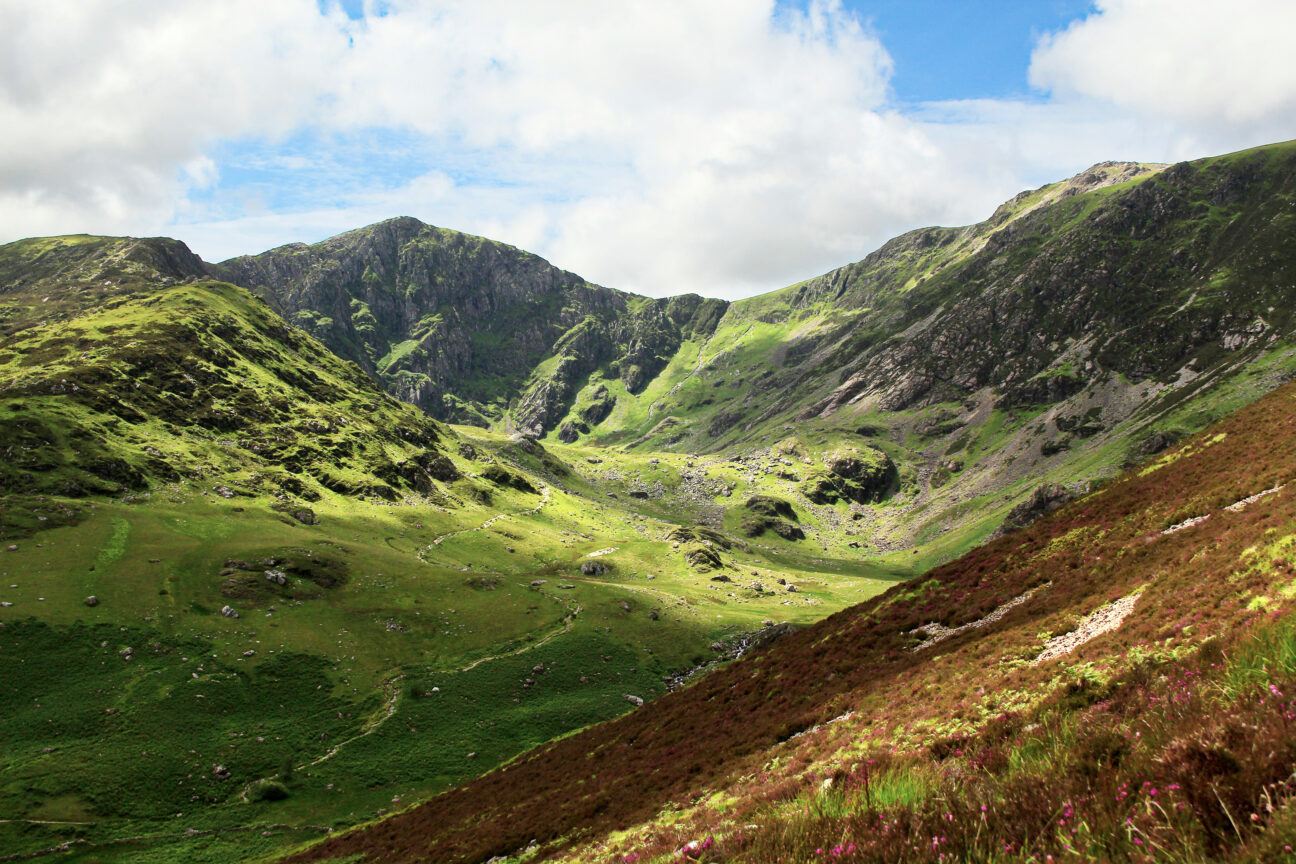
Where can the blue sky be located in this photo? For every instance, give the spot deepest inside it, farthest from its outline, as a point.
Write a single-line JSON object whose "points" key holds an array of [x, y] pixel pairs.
{"points": [[972, 49], [726, 147]]}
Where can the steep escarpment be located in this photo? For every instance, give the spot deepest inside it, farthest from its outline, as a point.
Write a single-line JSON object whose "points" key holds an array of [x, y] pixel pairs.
{"points": [[1140, 275], [464, 327], [1178, 269]]}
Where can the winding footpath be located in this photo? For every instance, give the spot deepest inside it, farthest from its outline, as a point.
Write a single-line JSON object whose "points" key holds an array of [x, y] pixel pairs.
{"points": [[697, 367], [546, 493], [573, 610]]}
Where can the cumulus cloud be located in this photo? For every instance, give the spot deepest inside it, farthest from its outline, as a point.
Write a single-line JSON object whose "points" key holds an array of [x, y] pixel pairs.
{"points": [[654, 145], [107, 107], [1197, 62]]}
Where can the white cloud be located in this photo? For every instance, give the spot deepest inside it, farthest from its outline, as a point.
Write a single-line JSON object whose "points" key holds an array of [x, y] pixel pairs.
{"points": [[654, 145], [107, 107], [1197, 62]]}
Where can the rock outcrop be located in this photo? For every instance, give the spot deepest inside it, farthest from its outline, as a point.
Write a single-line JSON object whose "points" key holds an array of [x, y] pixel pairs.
{"points": [[458, 324]]}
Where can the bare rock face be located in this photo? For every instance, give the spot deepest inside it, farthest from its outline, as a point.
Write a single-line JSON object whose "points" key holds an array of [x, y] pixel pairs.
{"points": [[1044, 500], [864, 475], [445, 320]]}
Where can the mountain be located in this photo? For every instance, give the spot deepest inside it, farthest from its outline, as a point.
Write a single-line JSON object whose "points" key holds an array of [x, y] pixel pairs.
{"points": [[1114, 680], [123, 379], [251, 594], [1084, 325], [464, 327], [247, 597]]}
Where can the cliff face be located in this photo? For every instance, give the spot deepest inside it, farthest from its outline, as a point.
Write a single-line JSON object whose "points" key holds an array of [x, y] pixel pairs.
{"points": [[1141, 278], [462, 326]]}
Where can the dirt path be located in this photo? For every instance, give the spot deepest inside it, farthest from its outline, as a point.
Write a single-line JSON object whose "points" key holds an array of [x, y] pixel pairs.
{"points": [[391, 689], [573, 610], [697, 367], [546, 493]]}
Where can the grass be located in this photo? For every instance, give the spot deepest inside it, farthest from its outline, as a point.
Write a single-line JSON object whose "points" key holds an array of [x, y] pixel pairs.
{"points": [[970, 723], [171, 444]]}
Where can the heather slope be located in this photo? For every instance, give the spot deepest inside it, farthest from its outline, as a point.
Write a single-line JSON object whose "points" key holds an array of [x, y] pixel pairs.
{"points": [[985, 720]]}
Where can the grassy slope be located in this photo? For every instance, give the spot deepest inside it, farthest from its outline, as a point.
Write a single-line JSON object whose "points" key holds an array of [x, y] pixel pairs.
{"points": [[968, 744], [132, 409], [89, 313], [1218, 242]]}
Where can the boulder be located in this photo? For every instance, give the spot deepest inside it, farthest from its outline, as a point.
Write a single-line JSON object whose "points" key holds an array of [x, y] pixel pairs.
{"points": [[304, 515], [767, 513], [634, 700], [703, 558], [567, 433], [92, 601], [228, 612], [865, 475], [594, 568], [1044, 500]]}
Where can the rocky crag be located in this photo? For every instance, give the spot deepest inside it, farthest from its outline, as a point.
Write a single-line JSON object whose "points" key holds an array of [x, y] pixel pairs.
{"points": [[466, 328]]}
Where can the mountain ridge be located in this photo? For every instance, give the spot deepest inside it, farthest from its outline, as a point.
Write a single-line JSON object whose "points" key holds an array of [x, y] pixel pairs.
{"points": [[261, 596]]}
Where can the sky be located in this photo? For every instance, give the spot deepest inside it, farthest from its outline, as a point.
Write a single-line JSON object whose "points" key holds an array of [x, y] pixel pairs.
{"points": [[725, 147]]}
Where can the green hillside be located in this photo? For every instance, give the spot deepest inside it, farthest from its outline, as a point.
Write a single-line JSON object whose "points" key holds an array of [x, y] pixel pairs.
{"points": [[246, 596], [1113, 683], [255, 590]]}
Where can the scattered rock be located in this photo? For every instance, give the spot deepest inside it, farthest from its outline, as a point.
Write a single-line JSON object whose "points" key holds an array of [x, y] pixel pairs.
{"points": [[220, 772], [228, 612], [536, 583], [276, 576]]}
